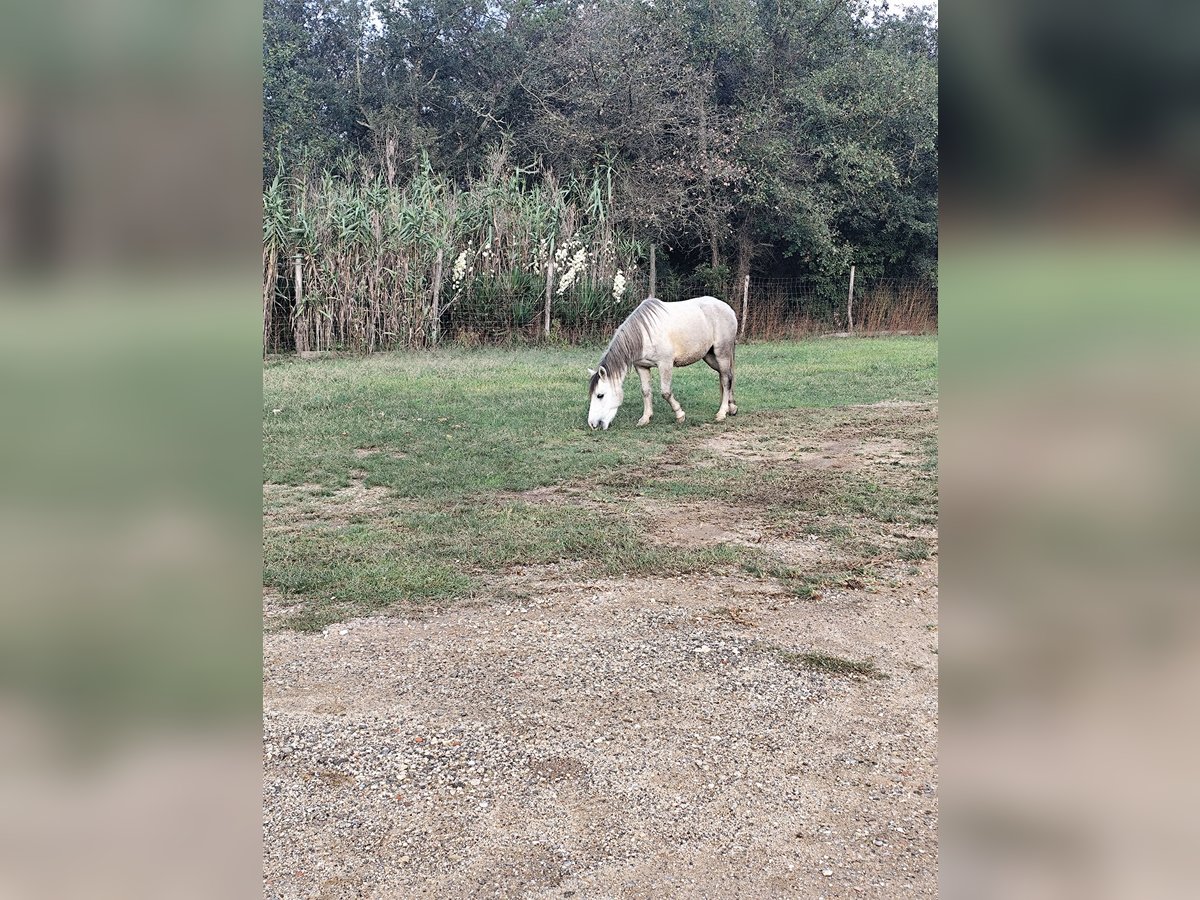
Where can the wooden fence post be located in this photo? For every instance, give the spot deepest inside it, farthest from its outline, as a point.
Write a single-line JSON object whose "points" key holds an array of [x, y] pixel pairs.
{"points": [[745, 302], [437, 295], [549, 291], [299, 321], [299, 261], [850, 303], [652, 294]]}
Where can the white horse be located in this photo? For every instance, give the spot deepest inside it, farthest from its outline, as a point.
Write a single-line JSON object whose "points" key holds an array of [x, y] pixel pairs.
{"points": [[664, 335]]}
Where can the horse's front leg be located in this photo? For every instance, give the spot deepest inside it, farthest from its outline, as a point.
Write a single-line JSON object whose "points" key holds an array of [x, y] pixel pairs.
{"points": [[647, 404], [664, 382]]}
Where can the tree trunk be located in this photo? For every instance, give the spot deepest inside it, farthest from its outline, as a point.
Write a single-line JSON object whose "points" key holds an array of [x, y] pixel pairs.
{"points": [[436, 313], [745, 250]]}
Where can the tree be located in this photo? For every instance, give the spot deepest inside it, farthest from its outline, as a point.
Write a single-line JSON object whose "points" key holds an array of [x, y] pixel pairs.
{"points": [[799, 135], [312, 95]]}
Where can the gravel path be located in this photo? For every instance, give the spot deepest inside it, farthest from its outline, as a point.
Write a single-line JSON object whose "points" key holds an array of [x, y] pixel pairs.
{"points": [[610, 738]]}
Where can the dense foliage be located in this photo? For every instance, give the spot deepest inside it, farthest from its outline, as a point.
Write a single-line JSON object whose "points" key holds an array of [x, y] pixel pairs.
{"points": [[791, 136]]}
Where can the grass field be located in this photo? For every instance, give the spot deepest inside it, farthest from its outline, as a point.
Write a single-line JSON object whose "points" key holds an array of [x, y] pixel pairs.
{"points": [[404, 478]]}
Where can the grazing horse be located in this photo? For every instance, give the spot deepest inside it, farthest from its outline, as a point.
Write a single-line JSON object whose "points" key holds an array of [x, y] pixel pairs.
{"points": [[664, 335]]}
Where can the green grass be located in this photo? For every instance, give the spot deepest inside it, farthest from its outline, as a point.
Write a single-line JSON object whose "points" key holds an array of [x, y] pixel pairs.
{"points": [[452, 434], [915, 503], [914, 550], [442, 553], [456, 423], [831, 665]]}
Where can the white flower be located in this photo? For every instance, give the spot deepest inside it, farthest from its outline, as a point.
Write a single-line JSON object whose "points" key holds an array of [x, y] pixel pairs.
{"points": [[577, 265], [565, 282], [618, 285], [460, 267]]}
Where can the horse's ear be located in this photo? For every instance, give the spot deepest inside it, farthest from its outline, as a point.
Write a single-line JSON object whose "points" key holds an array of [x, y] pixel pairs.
{"points": [[603, 372], [591, 372]]}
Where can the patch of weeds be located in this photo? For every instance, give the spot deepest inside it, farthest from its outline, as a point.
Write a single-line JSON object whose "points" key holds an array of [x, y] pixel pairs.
{"points": [[913, 551], [333, 573], [833, 532], [655, 559], [761, 566], [929, 447], [776, 492], [720, 481], [831, 665], [884, 503], [780, 493], [864, 549], [807, 584]]}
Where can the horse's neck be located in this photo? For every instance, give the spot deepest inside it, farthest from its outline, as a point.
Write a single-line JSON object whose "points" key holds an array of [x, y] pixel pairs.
{"points": [[617, 361], [616, 371]]}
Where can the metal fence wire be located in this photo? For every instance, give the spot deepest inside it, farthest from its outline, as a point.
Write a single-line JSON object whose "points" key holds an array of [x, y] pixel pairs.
{"points": [[511, 310]]}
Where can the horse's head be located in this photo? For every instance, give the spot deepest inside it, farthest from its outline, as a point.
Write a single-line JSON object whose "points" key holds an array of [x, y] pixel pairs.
{"points": [[605, 394]]}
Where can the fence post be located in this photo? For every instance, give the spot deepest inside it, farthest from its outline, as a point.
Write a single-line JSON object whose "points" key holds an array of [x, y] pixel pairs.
{"points": [[850, 303], [652, 293], [549, 291], [299, 325], [745, 302], [437, 295]]}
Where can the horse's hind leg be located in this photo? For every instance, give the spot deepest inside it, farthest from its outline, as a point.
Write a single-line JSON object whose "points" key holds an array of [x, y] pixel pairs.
{"points": [[732, 405], [722, 361], [722, 370], [664, 382], [711, 358]]}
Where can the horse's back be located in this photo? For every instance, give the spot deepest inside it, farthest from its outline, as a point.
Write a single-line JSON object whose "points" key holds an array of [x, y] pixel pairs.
{"points": [[714, 312], [719, 308], [696, 326]]}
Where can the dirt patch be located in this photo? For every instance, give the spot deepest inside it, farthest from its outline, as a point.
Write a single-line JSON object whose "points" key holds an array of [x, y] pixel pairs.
{"points": [[695, 525], [851, 442], [295, 506], [707, 525], [893, 404], [632, 736], [744, 447], [367, 452]]}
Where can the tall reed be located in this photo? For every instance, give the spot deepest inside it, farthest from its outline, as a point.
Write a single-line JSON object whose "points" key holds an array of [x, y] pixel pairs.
{"points": [[378, 257]]}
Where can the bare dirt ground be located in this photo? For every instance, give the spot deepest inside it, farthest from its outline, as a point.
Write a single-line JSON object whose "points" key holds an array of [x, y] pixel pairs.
{"points": [[632, 737]]}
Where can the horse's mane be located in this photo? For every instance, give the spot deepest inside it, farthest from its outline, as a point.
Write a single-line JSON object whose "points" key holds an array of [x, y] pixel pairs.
{"points": [[628, 342]]}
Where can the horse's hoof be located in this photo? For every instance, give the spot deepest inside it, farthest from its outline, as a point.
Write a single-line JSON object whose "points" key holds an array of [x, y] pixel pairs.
{"points": [[732, 410], [721, 418], [643, 421], [680, 417]]}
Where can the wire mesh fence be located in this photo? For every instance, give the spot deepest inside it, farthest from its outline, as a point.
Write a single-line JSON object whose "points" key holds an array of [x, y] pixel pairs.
{"points": [[511, 309]]}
